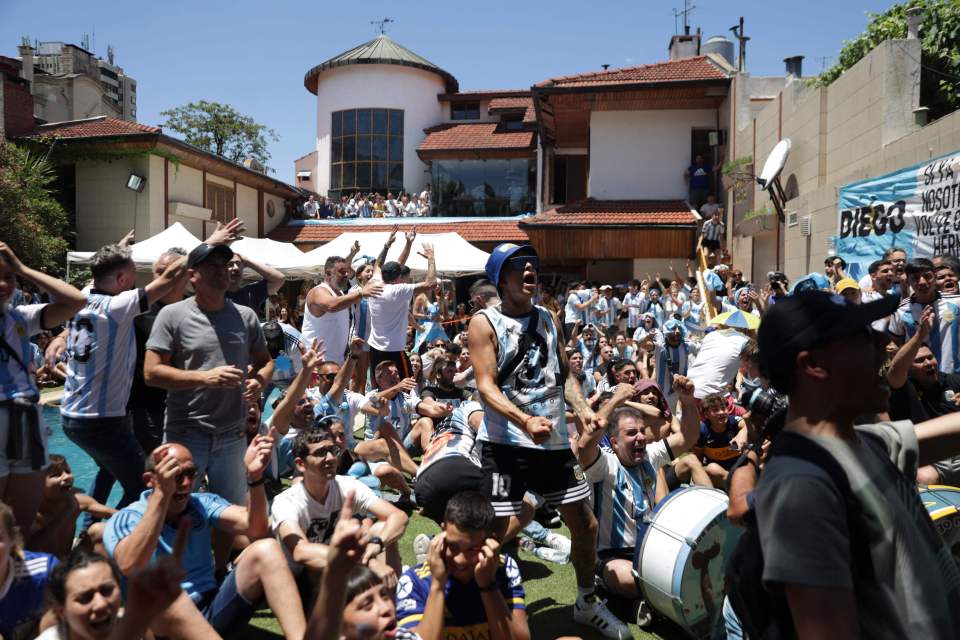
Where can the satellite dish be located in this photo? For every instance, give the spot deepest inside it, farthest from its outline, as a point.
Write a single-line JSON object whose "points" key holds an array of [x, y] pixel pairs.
{"points": [[774, 164], [769, 178]]}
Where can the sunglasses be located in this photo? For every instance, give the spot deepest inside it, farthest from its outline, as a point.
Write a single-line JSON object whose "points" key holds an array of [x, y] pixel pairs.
{"points": [[520, 262], [327, 376], [189, 474], [322, 452]]}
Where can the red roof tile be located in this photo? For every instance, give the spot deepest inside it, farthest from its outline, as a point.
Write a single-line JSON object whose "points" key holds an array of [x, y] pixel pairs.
{"points": [[474, 136], [615, 212], [480, 231], [510, 104], [484, 93], [93, 128], [697, 68]]}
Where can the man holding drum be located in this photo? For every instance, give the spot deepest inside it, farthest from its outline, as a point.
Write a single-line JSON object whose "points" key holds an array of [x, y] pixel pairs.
{"points": [[626, 479]]}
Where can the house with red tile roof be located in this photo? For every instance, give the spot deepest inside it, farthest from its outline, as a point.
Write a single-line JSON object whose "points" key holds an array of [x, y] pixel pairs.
{"points": [[124, 175]]}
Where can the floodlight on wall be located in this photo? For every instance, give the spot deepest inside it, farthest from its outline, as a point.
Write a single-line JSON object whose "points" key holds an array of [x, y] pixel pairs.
{"points": [[136, 183], [769, 178]]}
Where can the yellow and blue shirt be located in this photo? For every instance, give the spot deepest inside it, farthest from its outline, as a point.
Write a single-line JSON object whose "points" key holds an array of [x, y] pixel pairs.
{"points": [[464, 617]]}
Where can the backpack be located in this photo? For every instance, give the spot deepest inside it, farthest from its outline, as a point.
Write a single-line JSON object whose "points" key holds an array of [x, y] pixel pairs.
{"points": [[764, 613]]}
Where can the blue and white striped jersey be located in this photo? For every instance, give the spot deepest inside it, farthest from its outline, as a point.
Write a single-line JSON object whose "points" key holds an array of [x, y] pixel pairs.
{"points": [[535, 385], [402, 406], [101, 354], [633, 302], [671, 360], [623, 497], [18, 325], [944, 338], [288, 364], [694, 321]]}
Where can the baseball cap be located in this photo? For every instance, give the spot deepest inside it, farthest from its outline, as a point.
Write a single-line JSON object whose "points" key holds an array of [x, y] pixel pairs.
{"points": [[605, 287], [203, 251], [499, 257], [809, 319], [391, 271], [847, 283]]}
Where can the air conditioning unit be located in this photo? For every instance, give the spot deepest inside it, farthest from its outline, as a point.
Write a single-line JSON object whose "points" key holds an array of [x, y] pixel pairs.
{"points": [[806, 226], [792, 219]]}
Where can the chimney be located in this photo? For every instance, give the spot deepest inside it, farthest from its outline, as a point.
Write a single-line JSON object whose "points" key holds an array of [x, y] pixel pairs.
{"points": [[684, 46], [26, 65], [914, 18], [794, 66]]}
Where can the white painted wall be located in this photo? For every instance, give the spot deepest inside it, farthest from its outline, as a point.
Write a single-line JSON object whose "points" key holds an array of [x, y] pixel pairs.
{"points": [[380, 86], [247, 208], [106, 209], [186, 184], [642, 154]]}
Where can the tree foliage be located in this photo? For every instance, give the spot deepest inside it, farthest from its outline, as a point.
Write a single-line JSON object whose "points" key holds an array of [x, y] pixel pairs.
{"points": [[33, 222], [220, 129], [939, 47]]}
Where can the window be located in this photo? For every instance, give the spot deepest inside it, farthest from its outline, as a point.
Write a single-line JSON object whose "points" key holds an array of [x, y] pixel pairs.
{"points": [[366, 150], [495, 187], [220, 200], [512, 123], [464, 110]]}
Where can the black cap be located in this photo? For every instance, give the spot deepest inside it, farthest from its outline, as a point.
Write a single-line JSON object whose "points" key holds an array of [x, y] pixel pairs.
{"points": [[812, 318], [391, 271], [204, 251]]}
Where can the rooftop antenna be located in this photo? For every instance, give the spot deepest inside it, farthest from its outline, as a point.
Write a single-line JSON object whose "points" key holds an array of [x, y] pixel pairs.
{"points": [[110, 53], [737, 30], [382, 24], [605, 66], [85, 41], [685, 12], [823, 62]]}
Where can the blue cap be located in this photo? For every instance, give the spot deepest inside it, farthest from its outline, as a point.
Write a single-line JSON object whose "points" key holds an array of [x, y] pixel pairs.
{"points": [[500, 254]]}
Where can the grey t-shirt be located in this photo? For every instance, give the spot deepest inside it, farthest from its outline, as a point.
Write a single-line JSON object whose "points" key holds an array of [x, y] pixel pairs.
{"points": [[198, 340], [804, 533]]}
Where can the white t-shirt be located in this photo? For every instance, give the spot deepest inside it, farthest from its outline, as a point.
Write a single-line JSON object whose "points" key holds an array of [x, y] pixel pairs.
{"points": [[317, 519], [389, 317], [717, 362]]}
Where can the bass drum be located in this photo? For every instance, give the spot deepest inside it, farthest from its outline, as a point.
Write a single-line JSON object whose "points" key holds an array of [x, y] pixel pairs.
{"points": [[943, 505], [681, 561]]}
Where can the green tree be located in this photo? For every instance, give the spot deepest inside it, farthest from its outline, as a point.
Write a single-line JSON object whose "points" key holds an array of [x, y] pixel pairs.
{"points": [[939, 50], [220, 129], [33, 222]]}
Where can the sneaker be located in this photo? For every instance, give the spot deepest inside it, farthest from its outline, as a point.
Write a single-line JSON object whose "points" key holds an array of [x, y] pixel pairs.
{"points": [[421, 547], [548, 517], [557, 542], [405, 503], [591, 611]]}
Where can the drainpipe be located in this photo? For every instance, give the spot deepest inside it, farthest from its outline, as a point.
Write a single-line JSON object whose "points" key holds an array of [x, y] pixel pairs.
{"points": [[539, 175]]}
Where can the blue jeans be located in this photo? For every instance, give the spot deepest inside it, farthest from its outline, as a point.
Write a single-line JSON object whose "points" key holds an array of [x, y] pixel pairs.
{"points": [[112, 445], [220, 458]]}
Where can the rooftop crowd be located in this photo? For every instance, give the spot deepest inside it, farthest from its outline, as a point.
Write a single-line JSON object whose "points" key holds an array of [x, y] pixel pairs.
{"points": [[271, 453], [368, 205]]}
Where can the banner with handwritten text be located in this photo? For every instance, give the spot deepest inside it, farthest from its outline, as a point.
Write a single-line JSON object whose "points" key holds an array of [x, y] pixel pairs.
{"points": [[916, 209]]}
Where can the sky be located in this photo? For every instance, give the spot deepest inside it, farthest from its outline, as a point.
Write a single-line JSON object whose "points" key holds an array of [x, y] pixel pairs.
{"points": [[253, 54]]}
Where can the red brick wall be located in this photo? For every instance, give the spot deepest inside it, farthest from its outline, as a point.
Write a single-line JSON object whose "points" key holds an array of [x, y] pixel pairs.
{"points": [[17, 108]]}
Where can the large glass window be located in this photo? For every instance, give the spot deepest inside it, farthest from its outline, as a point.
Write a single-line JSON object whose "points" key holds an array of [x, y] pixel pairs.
{"points": [[366, 151], [483, 187], [464, 110]]}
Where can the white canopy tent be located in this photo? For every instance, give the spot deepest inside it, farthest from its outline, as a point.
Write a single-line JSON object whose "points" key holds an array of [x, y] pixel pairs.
{"points": [[147, 251], [454, 255]]}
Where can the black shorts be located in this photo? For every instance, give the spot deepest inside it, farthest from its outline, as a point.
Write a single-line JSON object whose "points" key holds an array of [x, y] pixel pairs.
{"points": [[508, 472], [441, 481], [713, 245], [673, 482], [398, 358]]}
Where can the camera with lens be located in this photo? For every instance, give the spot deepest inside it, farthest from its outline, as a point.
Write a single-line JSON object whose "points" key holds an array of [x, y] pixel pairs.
{"points": [[763, 403]]}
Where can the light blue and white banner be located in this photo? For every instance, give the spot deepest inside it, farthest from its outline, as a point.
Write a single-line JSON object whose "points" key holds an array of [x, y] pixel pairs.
{"points": [[916, 209]]}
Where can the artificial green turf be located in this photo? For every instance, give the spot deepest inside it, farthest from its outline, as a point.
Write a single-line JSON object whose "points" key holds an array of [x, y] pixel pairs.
{"points": [[550, 589]]}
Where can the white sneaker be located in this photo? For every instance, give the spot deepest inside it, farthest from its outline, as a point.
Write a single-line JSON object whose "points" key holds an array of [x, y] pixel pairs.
{"points": [[592, 611], [557, 541], [421, 547]]}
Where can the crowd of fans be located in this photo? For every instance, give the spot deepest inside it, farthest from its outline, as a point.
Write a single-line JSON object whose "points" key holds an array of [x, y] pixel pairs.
{"points": [[271, 455], [369, 205]]}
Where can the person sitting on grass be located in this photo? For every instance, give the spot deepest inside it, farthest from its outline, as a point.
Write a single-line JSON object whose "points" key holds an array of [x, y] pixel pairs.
{"points": [[627, 479], [722, 438], [56, 519], [304, 516], [354, 603], [87, 603], [24, 576], [146, 530], [466, 588]]}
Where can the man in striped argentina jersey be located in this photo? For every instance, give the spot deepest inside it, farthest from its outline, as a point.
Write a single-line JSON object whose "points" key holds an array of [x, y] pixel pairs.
{"points": [[101, 355], [673, 352], [521, 372], [625, 481], [944, 337]]}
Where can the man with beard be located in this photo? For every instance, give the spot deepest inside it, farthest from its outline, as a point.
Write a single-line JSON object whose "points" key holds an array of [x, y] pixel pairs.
{"points": [[521, 373], [626, 481], [445, 390], [848, 548], [673, 352], [255, 294], [921, 392], [882, 276], [326, 315], [945, 335]]}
